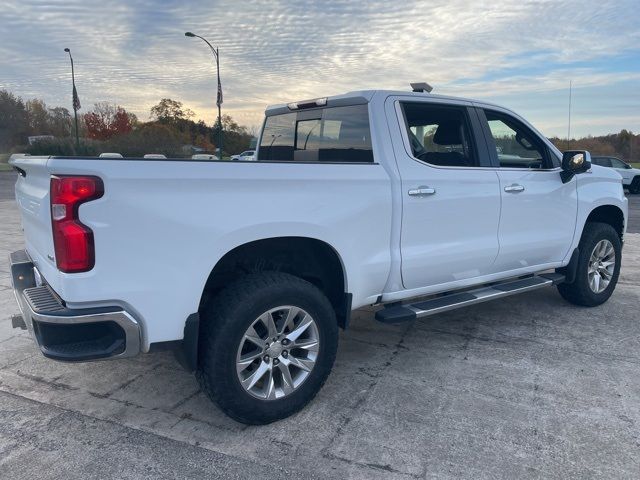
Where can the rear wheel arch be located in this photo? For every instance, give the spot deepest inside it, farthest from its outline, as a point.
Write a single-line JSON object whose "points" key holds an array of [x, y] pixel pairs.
{"points": [[308, 258]]}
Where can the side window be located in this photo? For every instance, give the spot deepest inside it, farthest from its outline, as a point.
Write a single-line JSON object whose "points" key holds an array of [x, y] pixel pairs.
{"points": [[440, 135], [337, 134], [516, 146], [616, 163], [602, 161]]}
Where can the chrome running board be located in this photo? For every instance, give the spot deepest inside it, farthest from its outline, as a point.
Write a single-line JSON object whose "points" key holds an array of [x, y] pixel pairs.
{"points": [[395, 313]]}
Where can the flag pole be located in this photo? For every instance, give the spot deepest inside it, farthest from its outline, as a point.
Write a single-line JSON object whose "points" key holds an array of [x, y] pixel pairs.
{"points": [[216, 54], [569, 126], [75, 99]]}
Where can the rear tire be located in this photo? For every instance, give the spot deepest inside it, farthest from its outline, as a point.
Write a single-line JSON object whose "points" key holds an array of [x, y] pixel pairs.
{"points": [[634, 187], [233, 328], [586, 290]]}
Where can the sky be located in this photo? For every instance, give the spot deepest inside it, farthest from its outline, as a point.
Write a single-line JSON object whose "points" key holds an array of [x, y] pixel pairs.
{"points": [[518, 53]]}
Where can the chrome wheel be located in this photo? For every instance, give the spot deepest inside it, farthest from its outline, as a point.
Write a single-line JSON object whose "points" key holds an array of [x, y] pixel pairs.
{"points": [[277, 352], [602, 264]]}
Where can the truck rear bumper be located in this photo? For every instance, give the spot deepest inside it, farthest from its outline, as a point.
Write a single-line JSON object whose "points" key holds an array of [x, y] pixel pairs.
{"points": [[70, 335]]}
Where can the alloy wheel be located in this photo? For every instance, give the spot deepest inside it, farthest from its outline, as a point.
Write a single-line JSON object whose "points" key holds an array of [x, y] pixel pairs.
{"points": [[277, 352], [602, 264]]}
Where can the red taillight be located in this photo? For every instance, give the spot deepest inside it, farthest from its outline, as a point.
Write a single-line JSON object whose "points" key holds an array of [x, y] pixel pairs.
{"points": [[73, 241]]}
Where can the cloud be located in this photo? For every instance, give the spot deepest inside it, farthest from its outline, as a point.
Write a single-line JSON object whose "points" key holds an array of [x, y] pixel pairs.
{"points": [[134, 53]]}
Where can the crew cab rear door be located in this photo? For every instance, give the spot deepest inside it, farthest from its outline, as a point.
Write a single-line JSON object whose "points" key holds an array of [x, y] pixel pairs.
{"points": [[538, 214], [450, 198]]}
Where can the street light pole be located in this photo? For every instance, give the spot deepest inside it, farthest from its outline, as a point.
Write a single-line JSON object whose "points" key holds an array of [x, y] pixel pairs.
{"points": [[75, 99], [216, 55]]}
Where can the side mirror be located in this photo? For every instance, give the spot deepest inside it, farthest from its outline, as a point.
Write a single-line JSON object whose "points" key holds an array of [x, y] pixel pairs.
{"points": [[573, 163]]}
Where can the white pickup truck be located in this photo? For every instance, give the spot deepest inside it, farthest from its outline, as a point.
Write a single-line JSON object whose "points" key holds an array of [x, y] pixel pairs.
{"points": [[416, 202]]}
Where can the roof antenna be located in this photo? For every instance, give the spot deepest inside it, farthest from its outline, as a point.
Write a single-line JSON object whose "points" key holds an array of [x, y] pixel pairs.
{"points": [[569, 127], [423, 87]]}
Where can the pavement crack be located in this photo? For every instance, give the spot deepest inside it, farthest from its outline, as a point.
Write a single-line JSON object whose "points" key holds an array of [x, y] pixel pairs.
{"points": [[51, 383], [183, 401], [399, 346], [374, 466]]}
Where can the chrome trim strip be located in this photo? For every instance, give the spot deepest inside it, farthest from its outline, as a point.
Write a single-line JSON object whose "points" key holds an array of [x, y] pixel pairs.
{"points": [[483, 294]]}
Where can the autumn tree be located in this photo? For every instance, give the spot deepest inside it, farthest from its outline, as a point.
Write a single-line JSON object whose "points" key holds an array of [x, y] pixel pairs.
{"points": [[107, 120]]}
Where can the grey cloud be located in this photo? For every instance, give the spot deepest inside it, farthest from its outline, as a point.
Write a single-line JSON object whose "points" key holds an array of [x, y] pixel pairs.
{"points": [[134, 53]]}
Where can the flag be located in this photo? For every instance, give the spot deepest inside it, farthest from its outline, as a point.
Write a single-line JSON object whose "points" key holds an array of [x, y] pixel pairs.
{"points": [[76, 100], [219, 99]]}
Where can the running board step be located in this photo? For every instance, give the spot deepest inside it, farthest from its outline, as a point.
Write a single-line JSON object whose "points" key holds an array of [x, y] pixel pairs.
{"points": [[411, 311]]}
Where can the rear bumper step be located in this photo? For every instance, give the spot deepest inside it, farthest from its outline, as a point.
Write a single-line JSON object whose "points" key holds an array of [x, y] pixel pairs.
{"points": [[411, 311], [67, 334]]}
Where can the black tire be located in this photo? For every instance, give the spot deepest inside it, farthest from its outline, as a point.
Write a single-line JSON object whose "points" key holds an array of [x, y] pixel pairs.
{"points": [[579, 292], [634, 188], [223, 324]]}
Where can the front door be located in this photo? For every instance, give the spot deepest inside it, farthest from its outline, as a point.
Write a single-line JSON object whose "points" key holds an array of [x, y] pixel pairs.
{"points": [[538, 215], [623, 169], [450, 204]]}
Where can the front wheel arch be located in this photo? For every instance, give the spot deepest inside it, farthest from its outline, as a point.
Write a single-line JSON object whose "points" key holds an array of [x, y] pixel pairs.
{"points": [[609, 214]]}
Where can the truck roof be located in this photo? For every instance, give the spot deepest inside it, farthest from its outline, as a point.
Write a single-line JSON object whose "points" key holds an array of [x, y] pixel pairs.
{"points": [[364, 96]]}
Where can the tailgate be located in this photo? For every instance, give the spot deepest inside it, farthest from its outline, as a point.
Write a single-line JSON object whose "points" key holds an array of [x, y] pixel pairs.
{"points": [[32, 196]]}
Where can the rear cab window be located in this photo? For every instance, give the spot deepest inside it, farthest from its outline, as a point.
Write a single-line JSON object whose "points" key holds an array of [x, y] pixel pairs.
{"points": [[331, 134]]}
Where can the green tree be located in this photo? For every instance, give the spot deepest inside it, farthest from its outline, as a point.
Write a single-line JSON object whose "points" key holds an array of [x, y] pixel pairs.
{"points": [[236, 138], [38, 117], [14, 126], [60, 122], [170, 111]]}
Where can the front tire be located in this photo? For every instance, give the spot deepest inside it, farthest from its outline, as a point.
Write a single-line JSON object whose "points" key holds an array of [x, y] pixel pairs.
{"points": [[598, 266], [267, 345], [634, 187]]}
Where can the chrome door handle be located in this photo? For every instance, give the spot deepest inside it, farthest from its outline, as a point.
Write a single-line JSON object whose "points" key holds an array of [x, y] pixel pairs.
{"points": [[514, 188], [421, 191]]}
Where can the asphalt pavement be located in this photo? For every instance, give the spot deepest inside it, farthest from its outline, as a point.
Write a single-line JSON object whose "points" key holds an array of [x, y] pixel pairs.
{"points": [[525, 387]]}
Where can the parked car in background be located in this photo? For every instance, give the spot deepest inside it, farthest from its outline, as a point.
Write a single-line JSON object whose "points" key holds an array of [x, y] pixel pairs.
{"points": [[246, 156], [159, 156], [110, 155], [19, 155], [204, 156], [390, 198], [630, 175]]}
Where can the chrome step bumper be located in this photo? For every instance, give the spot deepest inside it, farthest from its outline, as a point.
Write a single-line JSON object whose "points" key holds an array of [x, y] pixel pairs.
{"points": [[411, 311], [62, 333]]}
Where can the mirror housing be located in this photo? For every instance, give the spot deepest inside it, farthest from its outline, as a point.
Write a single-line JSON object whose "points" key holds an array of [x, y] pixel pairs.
{"points": [[573, 163]]}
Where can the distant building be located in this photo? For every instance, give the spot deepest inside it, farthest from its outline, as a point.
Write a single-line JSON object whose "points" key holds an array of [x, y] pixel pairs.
{"points": [[39, 138], [192, 149]]}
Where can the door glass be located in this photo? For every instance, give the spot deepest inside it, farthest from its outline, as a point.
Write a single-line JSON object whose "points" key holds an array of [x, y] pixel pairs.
{"points": [[439, 135], [615, 163], [602, 161], [516, 146]]}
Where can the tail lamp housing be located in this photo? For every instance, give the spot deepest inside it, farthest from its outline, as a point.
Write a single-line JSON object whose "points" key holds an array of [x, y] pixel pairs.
{"points": [[73, 241]]}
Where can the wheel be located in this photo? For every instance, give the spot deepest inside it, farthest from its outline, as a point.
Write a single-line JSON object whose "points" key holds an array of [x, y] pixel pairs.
{"points": [[267, 345], [598, 266], [635, 186]]}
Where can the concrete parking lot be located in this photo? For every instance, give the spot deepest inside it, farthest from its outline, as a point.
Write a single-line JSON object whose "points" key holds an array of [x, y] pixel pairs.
{"points": [[526, 387]]}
